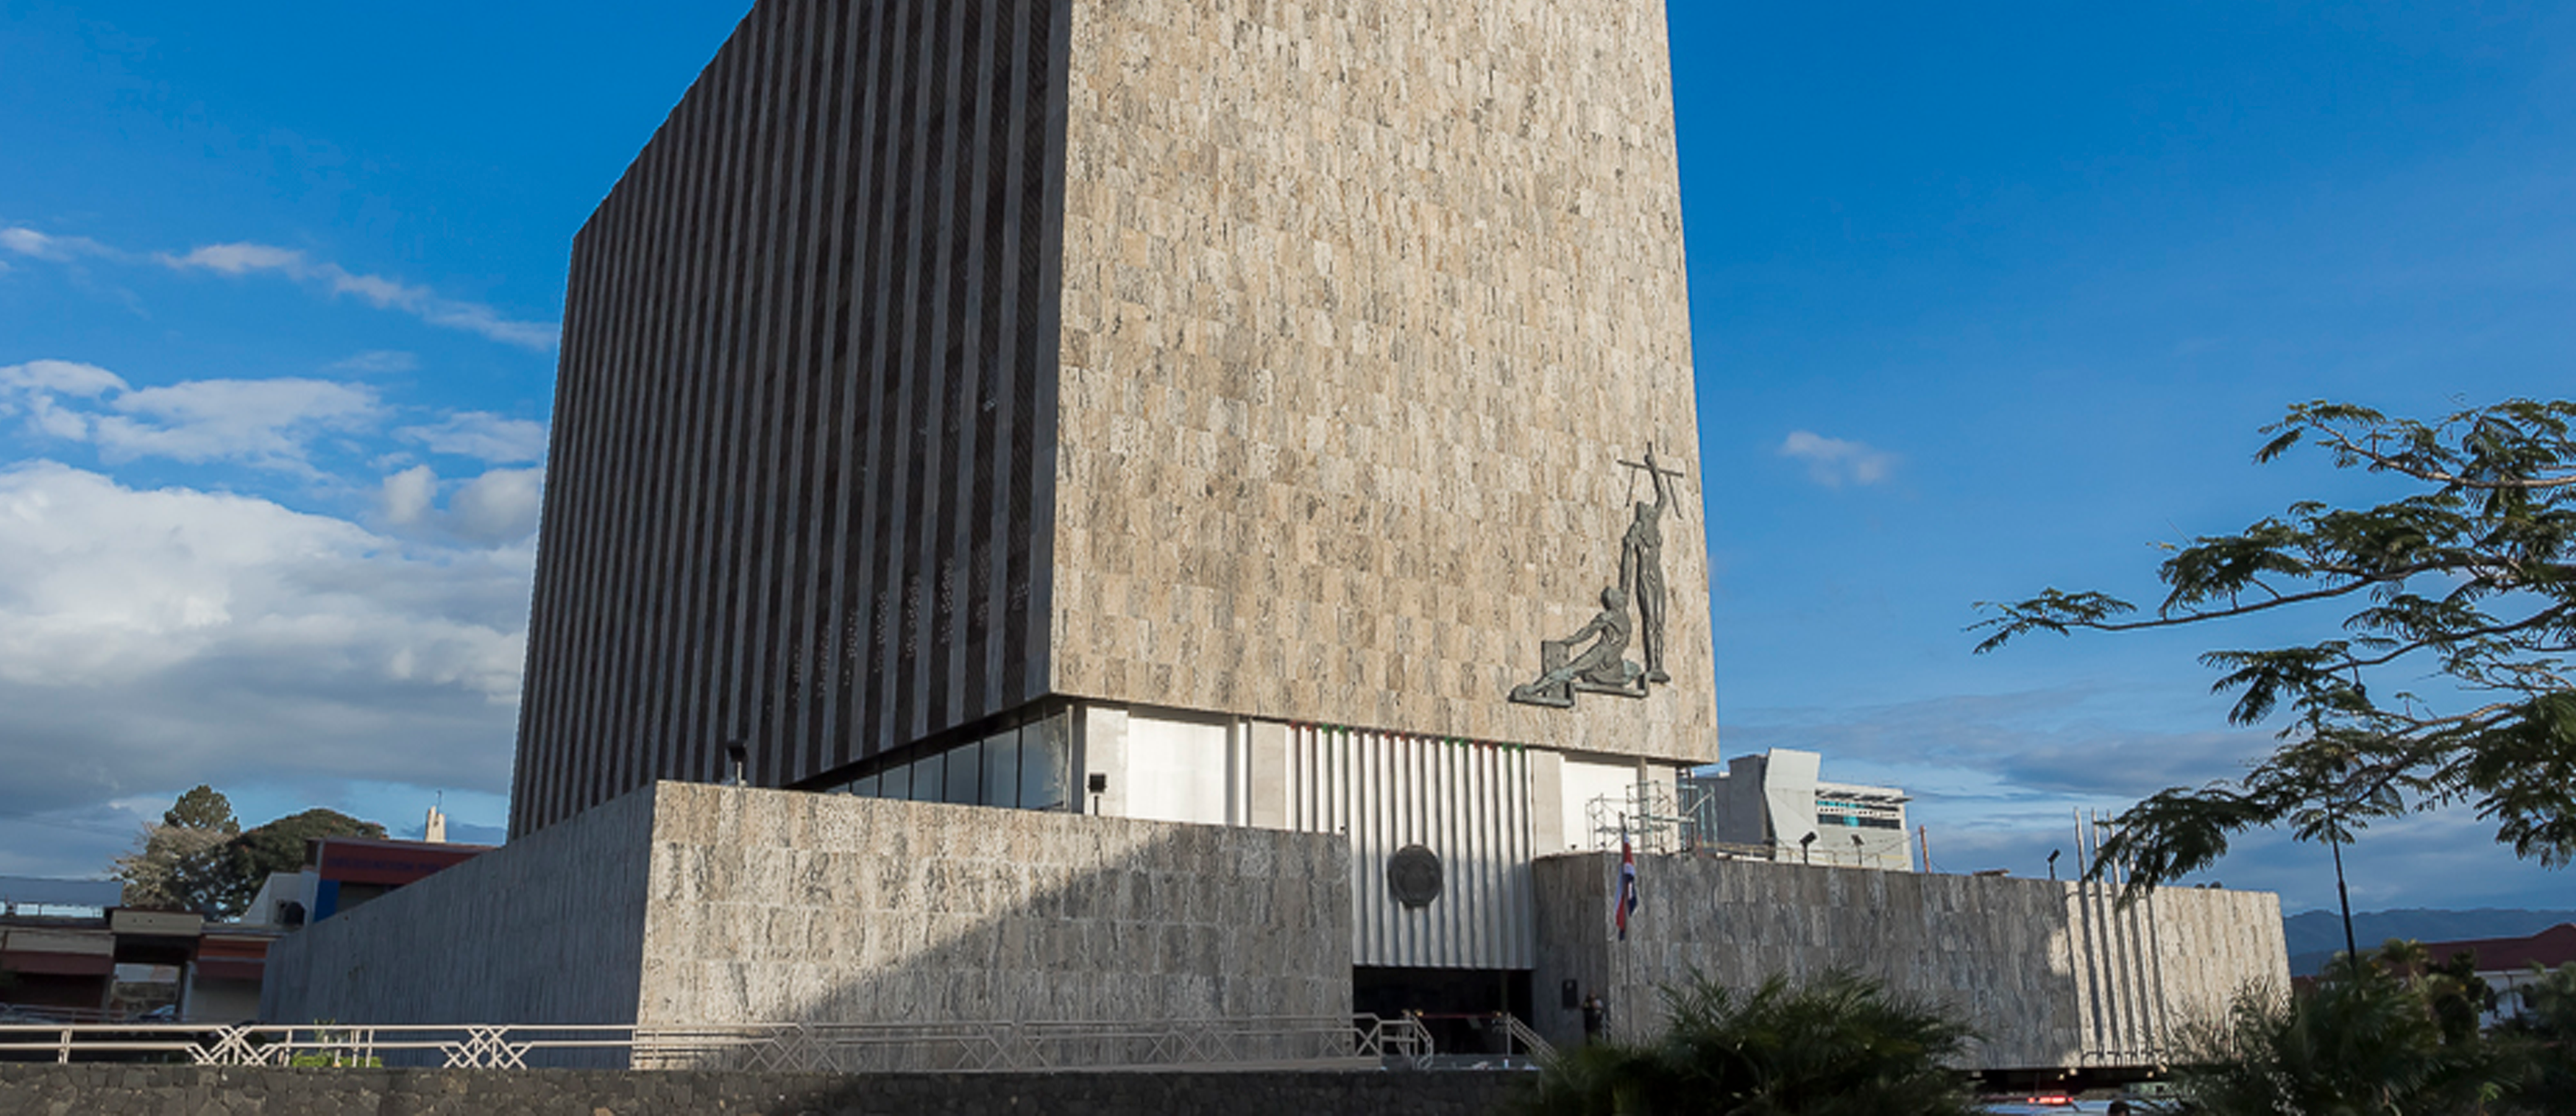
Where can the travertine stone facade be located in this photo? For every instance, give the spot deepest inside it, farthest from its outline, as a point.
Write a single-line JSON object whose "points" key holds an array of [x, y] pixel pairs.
{"points": [[1364, 303], [692, 904], [1257, 358], [772, 906], [2051, 974]]}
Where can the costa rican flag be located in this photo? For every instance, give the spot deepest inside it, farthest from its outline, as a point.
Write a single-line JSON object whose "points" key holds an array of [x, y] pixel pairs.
{"points": [[1627, 886]]}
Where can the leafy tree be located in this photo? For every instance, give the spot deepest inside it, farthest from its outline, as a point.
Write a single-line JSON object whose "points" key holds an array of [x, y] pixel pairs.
{"points": [[2456, 995], [2370, 1038], [2544, 1035], [1842, 1045], [279, 847], [200, 859], [203, 808], [2469, 579], [180, 863]]}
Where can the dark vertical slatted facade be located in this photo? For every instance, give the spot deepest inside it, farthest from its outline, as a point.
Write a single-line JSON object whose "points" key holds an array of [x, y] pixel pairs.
{"points": [[800, 491]]}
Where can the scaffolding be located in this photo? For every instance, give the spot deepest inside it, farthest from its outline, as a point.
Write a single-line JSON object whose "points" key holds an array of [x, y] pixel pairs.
{"points": [[1651, 817]]}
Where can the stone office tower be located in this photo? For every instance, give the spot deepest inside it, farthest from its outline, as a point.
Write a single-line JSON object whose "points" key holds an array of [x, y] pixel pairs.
{"points": [[1230, 411]]}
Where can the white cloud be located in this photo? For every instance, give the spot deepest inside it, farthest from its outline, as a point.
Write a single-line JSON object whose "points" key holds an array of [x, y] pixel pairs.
{"points": [[242, 259], [486, 437], [38, 387], [378, 362], [151, 639], [267, 423], [60, 377], [261, 422], [379, 291], [58, 249], [499, 506], [245, 258], [496, 508], [408, 495], [1834, 462]]}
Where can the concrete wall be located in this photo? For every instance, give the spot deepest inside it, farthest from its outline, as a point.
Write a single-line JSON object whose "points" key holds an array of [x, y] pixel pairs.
{"points": [[547, 929], [203, 1091], [1363, 305], [222, 1001], [771, 906], [686, 904], [2052, 974]]}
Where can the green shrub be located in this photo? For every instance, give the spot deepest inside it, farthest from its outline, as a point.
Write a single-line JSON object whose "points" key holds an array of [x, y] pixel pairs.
{"points": [[2540, 1045], [2383, 1035], [1840, 1045]]}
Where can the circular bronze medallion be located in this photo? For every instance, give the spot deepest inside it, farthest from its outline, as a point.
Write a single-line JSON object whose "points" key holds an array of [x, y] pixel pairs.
{"points": [[1413, 874]]}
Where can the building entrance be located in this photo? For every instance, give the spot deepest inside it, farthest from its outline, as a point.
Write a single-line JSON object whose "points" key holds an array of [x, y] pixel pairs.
{"points": [[1457, 1005]]}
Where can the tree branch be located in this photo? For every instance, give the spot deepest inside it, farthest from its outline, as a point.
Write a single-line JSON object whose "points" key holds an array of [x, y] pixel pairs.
{"points": [[2378, 460]]}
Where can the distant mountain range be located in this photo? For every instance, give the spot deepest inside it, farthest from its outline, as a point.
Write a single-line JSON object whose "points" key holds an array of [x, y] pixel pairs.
{"points": [[2316, 936]]}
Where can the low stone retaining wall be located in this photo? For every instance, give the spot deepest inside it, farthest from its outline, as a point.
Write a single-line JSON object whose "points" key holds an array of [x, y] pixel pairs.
{"points": [[76, 1090], [2052, 975], [690, 905]]}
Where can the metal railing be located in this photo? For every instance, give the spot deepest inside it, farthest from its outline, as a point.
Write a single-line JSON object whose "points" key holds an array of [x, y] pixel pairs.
{"points": [[1734, 850], [783, 1047], [1519, 1034], [1499, 1034], [48, 1013]]}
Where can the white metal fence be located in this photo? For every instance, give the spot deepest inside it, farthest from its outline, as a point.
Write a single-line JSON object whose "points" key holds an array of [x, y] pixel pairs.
{"points": [[781, 1047]]}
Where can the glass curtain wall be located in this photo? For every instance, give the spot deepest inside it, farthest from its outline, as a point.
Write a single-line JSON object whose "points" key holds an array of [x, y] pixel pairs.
{"points": [[1023, 768]]}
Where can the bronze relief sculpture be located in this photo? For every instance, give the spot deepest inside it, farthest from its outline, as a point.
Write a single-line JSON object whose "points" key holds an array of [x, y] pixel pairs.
{"points": [[1567, 666]]}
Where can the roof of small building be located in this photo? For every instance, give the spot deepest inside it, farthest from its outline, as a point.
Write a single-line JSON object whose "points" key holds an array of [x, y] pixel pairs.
{"points": [[2549, 949], [384, 861]]}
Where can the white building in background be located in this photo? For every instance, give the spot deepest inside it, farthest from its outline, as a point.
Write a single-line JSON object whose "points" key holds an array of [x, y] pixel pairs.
{"points": [[1775, 804], [2511, 966]]}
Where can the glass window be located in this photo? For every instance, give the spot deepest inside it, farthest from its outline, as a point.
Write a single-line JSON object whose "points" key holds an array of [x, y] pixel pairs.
{"points": [[965, 773], [1042, 764], [928, 779], [895, 782], [1002, 768], [865, 788]]}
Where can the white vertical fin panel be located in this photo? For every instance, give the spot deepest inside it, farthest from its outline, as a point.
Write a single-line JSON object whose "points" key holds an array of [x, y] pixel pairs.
{"points": [[1466, 801]]}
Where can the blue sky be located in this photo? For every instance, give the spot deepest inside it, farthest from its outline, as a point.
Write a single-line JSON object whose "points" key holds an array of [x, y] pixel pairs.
{"points": [[1984, 300]]}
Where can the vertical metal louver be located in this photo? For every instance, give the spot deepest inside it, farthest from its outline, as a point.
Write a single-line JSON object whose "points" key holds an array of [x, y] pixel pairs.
{"points": [[1465, 801]]}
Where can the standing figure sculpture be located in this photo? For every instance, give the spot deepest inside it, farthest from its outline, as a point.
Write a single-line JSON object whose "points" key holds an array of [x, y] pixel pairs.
{"points": [[1641, 569], [1603, 667]]}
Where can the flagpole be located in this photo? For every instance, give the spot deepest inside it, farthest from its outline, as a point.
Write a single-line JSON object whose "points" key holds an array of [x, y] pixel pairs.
{"points": [[1619, 909]]}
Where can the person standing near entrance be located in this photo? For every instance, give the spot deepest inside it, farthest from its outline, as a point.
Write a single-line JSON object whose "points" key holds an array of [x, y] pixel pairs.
{"points": [[1596, 1017]]}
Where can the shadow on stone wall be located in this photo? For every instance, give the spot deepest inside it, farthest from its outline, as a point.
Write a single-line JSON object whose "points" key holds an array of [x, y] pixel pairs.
{"points": [[770, 907], [2051, 974], [692, 905]]}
